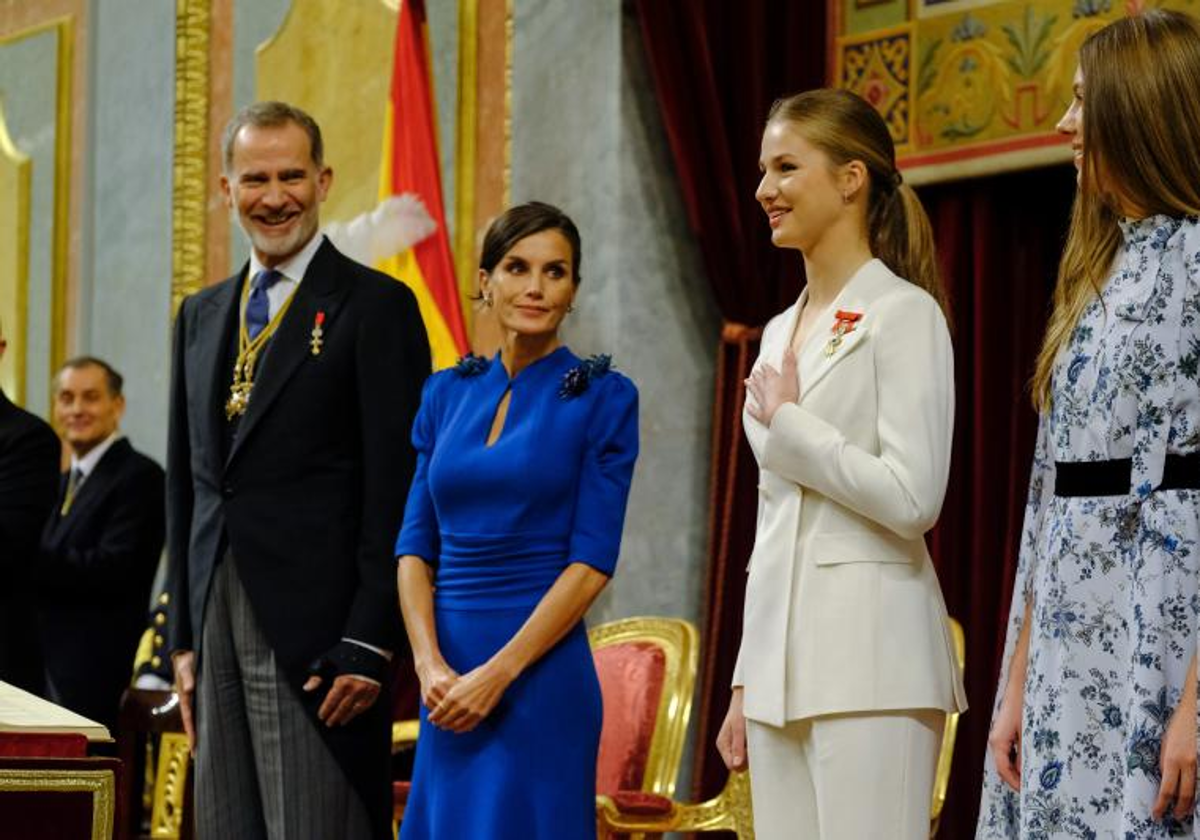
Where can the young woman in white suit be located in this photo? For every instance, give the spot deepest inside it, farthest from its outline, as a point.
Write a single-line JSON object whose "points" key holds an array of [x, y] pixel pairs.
{"points": [[846, 667]]}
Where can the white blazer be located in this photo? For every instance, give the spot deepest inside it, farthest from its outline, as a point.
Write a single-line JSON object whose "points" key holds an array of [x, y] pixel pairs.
{"points": [[843, 608]]}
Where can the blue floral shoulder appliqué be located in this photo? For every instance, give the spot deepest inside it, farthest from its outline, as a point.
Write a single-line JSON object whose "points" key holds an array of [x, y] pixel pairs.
{"points": [[471, 365], [576, 380]]}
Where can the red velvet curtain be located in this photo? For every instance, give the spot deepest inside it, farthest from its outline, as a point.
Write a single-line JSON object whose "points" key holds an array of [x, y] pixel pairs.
{"points": [[716, 68]]}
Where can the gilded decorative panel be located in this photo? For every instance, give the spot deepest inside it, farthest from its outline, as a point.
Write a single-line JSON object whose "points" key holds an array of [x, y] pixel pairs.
{"points": [[973, 87], [15, 172], [35, 89], [878, 68], [345, 89], [869, 15], [101, 785]]}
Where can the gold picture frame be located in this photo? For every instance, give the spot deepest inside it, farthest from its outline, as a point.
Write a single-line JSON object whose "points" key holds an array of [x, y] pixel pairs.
{"points": [[100, 783], [63, 28]]}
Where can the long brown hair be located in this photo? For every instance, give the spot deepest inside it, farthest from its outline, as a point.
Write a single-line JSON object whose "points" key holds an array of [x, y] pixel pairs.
{"points": [[846, 128], [1141, 149]]}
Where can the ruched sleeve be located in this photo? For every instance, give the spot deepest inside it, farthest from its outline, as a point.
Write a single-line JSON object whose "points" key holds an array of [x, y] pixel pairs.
{"points": [[612, 448], [419, 535]]}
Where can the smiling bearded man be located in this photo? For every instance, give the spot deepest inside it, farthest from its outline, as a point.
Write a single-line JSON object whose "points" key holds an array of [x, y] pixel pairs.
{"points": [[294, 387]]}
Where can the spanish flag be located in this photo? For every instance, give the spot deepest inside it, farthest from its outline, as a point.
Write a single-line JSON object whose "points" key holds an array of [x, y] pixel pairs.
{"points": [[410, 165]]}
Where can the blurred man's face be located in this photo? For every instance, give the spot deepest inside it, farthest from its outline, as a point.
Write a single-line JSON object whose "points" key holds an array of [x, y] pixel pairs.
{"points": [[84, 409]]}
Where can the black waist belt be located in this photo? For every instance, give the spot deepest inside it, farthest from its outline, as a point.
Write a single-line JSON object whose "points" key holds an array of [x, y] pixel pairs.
{"points": [[1111, 478]]}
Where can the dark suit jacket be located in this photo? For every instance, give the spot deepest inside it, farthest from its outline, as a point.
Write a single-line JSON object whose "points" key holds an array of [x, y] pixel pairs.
{"points": [[310, 496], [98, 563], [29, 462]]}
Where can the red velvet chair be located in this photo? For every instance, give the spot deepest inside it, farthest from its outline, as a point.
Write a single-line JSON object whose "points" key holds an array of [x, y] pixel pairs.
{"points": [[730, 810], [647, 671]]}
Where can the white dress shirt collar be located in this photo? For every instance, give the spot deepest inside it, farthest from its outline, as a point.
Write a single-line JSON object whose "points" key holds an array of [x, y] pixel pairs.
{"points": [[293, 267], [88, 462]]}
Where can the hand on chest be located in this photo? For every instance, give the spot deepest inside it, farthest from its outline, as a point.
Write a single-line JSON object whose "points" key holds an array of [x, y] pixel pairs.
{"points": [[832, 367], [836, 373]]}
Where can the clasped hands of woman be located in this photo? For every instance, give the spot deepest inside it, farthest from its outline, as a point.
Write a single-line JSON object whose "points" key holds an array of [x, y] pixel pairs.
{"points": [[459, 702]]}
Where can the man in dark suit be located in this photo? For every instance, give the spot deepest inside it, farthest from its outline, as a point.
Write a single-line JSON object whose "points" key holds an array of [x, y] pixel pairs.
{"points": [[295, 385], [100, 548], [29, 459]]}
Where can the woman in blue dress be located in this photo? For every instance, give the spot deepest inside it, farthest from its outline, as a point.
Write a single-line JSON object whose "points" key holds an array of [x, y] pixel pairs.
{"points": [[1094, 734], [512, 529]]}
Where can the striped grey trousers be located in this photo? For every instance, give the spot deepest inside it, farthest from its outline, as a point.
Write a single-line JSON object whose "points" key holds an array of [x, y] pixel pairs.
{"points": [[262, 770]]}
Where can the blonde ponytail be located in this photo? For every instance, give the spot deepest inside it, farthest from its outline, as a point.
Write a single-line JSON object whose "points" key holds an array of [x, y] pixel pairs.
{"points": [[902, 238]]}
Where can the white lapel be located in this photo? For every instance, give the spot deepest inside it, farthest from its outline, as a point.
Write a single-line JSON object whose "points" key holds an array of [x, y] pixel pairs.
{"points": [[822, 352], [772, 351]]}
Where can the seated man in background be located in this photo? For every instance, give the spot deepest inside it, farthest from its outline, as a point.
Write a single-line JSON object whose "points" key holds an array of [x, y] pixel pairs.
{"points": [[29, 463], [100, 548]]}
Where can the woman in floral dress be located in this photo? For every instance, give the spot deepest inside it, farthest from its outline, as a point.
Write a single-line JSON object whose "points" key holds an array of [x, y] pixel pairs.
{"points": [[1094, 734]]}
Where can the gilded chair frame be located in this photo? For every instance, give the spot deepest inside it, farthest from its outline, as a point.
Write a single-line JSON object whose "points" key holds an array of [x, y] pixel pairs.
{"points": [[941, 781], [170, 786], [679, 641], [729, 810]]}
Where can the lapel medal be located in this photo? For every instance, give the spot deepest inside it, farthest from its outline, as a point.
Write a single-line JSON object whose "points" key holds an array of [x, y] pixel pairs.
{"points": [[318, 334], [843, 324]]}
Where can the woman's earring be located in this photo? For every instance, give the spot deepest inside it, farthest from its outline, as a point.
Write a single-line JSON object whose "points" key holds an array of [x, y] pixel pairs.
{"points": [[845, 198], [570, 307], [487, 300]]}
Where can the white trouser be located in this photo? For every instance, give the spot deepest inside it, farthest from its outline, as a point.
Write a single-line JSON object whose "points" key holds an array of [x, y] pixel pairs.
{"points": [[865, 776]]}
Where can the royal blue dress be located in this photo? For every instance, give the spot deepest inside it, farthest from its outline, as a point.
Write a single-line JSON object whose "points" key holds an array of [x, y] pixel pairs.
{"points": [[499, 524]]}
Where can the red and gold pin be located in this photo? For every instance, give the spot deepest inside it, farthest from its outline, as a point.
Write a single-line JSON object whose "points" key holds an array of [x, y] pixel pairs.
{"points": [[318, 334], [843, 325]]}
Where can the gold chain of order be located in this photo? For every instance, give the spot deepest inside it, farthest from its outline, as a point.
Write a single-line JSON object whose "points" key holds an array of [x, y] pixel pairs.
{"points": [[243, 368]]}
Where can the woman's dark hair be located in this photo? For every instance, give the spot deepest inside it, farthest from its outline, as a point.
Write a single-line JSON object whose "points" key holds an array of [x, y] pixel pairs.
{"points": [[523, 220]]}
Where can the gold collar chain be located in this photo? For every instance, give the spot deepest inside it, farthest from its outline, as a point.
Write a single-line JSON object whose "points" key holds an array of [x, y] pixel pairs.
{"points": [[248, 351]]}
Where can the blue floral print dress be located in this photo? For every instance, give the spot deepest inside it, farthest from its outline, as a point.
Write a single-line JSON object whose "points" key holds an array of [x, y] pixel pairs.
{"points": [[1112, 579]]}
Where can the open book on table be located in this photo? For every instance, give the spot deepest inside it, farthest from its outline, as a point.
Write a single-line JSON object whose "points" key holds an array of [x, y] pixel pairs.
{"points": [[23, 712]]}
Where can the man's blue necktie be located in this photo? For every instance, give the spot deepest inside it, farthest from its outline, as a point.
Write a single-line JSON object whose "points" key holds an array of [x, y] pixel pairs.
{"points": [[258, 308]]}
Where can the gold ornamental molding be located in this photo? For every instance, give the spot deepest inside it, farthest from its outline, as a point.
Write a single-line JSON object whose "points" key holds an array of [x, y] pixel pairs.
{"points": [[466, 151], [166, 815], [509, 34], [63, 28], [15, 179], [190, 177], [101, 784]]}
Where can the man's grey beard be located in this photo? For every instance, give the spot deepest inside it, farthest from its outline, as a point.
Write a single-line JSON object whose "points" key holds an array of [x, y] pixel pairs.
{"points": [[235, 219]]}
